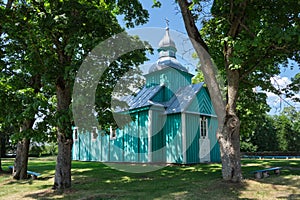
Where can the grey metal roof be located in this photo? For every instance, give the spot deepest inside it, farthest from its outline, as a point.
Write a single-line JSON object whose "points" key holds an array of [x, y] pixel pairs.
{"points": [[142, 98], [166, 41], [182, 98], [178, 103], [166, 62]]}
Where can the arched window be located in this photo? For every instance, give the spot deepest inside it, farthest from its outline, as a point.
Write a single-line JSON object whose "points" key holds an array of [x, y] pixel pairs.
{"points": [[203, 127], [94, 133]]}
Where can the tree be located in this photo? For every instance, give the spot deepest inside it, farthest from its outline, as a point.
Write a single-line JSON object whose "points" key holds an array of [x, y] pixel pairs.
{"points": [[67, 31], [247, 40], [21, 75], [288, 129], [2, 12], [293, 88], [265, 136]]}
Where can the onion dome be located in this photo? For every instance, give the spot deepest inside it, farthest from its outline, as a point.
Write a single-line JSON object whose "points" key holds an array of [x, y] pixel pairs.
{"points": [[167, 55]]}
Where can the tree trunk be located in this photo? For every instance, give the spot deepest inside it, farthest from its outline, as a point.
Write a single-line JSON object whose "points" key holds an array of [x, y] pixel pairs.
{"points": [[3, 145], [228, 122], [21, 160], [229, 140], [0, 155], [64, 137]]}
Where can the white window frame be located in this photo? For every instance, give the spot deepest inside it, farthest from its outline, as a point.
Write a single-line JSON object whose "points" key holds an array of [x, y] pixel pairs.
{"points": [[94, 133], [204, 120], [75, 131], [112, 133]]}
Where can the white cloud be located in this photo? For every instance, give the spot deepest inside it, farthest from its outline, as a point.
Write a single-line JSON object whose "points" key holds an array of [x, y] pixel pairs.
{"points": [[277, 103], [280, 82]]}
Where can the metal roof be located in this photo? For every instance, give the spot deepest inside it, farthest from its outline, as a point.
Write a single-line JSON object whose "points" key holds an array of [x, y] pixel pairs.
{"points": [[142, 98], [166, 62], [178, 103], [182, 98]]}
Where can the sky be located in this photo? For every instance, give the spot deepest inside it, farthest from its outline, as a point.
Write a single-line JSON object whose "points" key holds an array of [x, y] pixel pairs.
{"points": [[171, 11]]}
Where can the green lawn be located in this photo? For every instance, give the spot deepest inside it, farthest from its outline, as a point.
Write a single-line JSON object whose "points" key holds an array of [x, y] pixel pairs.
{"points": [[93, 180]]}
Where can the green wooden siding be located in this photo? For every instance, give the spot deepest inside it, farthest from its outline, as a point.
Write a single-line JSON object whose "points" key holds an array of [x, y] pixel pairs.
{"points": [[192, 138], [173, 133], [157, 136], [174, 80], [202, 103], [214, 145]]}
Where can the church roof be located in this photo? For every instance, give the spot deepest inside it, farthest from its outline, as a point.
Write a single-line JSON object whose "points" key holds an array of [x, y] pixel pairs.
{"points": [[166, 62], [142, 98], [166, 41], [178, 103], [182, 98]]}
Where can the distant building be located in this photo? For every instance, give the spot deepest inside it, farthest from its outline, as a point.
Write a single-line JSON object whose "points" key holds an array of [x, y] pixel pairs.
{"points": [[174, 120]]}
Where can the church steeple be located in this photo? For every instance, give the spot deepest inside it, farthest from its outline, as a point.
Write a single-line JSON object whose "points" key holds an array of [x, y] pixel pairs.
{"points": [[167, 54], [167, 47]]}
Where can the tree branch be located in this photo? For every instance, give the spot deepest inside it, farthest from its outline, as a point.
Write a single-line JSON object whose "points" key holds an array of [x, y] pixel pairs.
{"points": [[207, 67]]}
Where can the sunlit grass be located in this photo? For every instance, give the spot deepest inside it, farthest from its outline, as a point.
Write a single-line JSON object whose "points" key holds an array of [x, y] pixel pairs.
{"points": [[94, 180]]}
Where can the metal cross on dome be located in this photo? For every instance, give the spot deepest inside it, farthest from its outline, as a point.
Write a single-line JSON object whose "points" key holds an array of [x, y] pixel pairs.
{"points": [[167, 22]]}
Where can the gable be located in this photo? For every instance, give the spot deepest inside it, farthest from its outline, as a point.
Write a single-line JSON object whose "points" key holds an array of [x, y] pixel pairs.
{"points": [[202, 103], [182, 98]]}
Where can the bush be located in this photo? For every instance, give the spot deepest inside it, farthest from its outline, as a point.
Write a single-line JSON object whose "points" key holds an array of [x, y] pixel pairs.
{"points": [[38, 150]]}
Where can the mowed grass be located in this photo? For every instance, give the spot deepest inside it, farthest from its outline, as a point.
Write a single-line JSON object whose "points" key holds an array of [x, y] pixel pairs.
{"points": [[94, 180]]}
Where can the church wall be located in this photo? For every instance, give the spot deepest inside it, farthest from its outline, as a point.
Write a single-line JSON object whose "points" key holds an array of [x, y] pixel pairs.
{"points": [[192, 138], [173, 136], [214, 145], [171, 78], [157, 135]]}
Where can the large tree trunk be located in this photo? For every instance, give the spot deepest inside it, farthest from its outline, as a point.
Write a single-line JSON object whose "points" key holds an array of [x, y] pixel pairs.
{"points": [[3, 145], [0, 155], [64, 137], [2, 148], [21, 160], [229, 140], [228, 122]]}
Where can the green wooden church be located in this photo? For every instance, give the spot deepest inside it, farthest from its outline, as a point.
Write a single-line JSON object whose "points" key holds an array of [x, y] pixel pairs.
{"points": [[173, 120]]}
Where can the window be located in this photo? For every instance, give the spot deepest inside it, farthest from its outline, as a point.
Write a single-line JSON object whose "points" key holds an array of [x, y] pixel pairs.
{"points": [[203, 127], [75, 131], [113, 135], [94, 133]]}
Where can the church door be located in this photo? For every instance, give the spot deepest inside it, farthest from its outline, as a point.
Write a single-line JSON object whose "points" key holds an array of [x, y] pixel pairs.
{"points": [[204, 142]]}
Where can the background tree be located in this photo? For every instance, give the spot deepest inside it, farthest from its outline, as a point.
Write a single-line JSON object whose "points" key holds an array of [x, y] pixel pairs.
{"points": [[247, 40], [288, 129], [21, 70]]}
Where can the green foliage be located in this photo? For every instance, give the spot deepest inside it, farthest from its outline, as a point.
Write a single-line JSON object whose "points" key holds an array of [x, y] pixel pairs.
{"points": [[198, 78], [293, 88], [275, 133], [257, 45], [49, 40], [288, 129], [43, 149]]}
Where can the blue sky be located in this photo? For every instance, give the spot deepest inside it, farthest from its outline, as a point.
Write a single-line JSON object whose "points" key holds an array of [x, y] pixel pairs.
{"points": [[170, 11]]}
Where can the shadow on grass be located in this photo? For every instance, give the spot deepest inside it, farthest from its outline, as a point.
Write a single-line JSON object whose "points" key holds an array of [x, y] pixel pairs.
{"points": [[97, 181], [94, 180]]}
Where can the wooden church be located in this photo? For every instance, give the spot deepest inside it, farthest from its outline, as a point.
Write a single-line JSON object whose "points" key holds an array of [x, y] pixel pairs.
{"points": [[173, 120]]}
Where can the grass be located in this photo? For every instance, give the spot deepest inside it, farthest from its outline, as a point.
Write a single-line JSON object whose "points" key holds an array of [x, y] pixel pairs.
{"points": [[94, 180]]}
